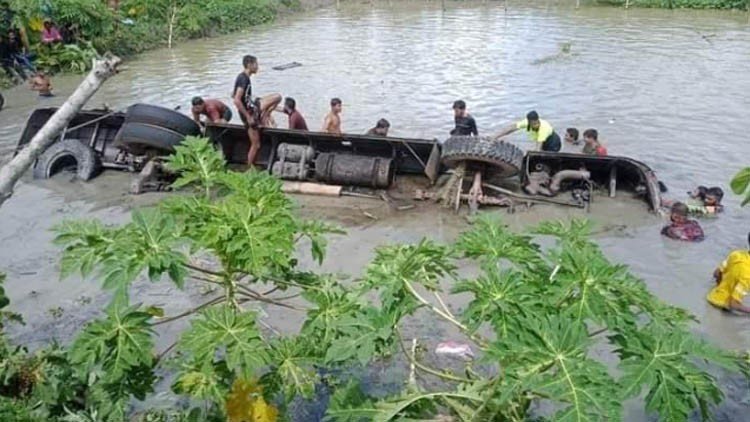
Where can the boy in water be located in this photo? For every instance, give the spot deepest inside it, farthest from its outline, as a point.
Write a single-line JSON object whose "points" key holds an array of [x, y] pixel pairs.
{"points": [[571, 136], [732, 282], [681, 227], [380, 129], [41, 83], [332, 122], [709, 200], [592, 146]]}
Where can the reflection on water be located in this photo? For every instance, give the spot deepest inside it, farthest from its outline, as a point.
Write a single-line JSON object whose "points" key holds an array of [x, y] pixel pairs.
{"points": [[666, 87]]}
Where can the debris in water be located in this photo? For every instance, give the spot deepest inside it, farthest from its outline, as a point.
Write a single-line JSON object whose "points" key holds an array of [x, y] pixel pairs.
{"points": [[454, 349], [287, 66]]}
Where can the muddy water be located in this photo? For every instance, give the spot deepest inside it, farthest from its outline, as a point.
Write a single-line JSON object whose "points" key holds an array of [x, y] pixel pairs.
{"points": [[666, 87]]}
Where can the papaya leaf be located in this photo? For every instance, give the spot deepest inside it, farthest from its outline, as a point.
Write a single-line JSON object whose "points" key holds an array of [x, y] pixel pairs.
{"points": [[223, 328], [741, 184], [548, 355], [119, 344], [412, 405], [349, 404], [663, 360], [197, 162], [362, 336], [151, 243], [316, 231], [499, 297], [291, 368], [396, 268], [489, 241]]}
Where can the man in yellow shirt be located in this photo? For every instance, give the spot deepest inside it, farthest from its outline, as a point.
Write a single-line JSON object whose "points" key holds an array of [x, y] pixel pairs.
{"points": [[732, 282], [540, 131]]}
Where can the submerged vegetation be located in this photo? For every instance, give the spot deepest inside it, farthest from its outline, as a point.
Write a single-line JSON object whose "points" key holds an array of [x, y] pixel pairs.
{"points": [[535, 315]]}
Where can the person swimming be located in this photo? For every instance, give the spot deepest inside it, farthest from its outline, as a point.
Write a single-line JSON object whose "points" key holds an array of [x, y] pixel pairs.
{"points": [[732, 282], [681, 227]]}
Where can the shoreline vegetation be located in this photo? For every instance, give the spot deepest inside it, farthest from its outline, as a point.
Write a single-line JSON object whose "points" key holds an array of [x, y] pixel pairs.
{"points": [[129, 27]]}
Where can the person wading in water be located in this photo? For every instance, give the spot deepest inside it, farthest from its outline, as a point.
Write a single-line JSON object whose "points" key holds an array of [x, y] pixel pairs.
{"points": [[253, 112], [540, 131]]}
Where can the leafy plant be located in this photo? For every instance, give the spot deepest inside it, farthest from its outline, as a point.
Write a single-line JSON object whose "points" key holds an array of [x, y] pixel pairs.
{"points": [[535, 316], [741, 185]]}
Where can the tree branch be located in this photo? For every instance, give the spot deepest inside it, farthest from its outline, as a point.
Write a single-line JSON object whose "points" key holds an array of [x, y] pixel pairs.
{"points": [[482, 343], [190, 311], [425, 368], [248, 292]]}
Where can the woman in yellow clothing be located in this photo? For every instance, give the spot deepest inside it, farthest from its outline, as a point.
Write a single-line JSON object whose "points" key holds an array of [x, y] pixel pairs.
{"points": [[732, 282]]}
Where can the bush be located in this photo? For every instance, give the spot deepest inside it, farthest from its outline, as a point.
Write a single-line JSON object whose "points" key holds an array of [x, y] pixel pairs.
{"points": [[65, 58], [535, 315]]}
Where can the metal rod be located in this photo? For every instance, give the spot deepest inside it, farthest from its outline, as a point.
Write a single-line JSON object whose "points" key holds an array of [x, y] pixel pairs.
{"points": [[98, 119], [528, 197]]}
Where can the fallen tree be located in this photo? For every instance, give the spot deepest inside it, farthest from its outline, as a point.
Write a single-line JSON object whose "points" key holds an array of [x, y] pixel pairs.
{"points": [[102, 70]]}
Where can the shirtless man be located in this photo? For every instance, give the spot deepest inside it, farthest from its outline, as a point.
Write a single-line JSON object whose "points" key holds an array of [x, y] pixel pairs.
{"points": [[254, 112], [332, 122], [214, 110]]}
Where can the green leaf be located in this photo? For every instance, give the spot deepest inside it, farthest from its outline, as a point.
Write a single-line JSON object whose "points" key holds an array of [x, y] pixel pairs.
{"points": [[490, 241], [316, 231], [118, 343], [663, 360], [225, 329], [548, 355], [198, 163], [291, 371], [362, 336], [395, 408], [350, 404], [740, 184]]}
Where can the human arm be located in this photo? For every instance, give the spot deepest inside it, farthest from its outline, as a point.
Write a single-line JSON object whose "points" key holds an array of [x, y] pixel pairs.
{"points": [[197, 117], [473, 127], [507, 130], [736, 305], [239, 92]]}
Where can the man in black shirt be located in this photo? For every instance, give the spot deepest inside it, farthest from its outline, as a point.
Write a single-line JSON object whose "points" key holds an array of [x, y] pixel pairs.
{"points": [[254, 112], [465, 124]]}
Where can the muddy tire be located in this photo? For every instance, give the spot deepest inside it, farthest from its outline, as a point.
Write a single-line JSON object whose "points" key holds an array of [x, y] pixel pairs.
{"points": [[68, 155], [498, 159], [139, 138], [163, 117]]}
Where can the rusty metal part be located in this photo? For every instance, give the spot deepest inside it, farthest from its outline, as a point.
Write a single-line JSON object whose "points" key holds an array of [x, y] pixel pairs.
{"points": [[528, 198], [357, 170], [423, 195], [152, 177], [295, 153], [564, 175], [290, 170]]}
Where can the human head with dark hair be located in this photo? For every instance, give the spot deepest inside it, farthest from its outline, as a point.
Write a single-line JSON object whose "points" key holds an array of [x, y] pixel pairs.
{"points": [[571, 136], [590, 134], [713, 196], [459, 108], [679, 213], [381, 128], [289, 105], [532, 118], [199, 106], [250, 64], [698, 193], [336, 105]]}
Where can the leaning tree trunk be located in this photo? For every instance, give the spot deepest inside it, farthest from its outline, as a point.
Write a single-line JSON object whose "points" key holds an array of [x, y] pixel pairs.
{"points": [[12, 171]]}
